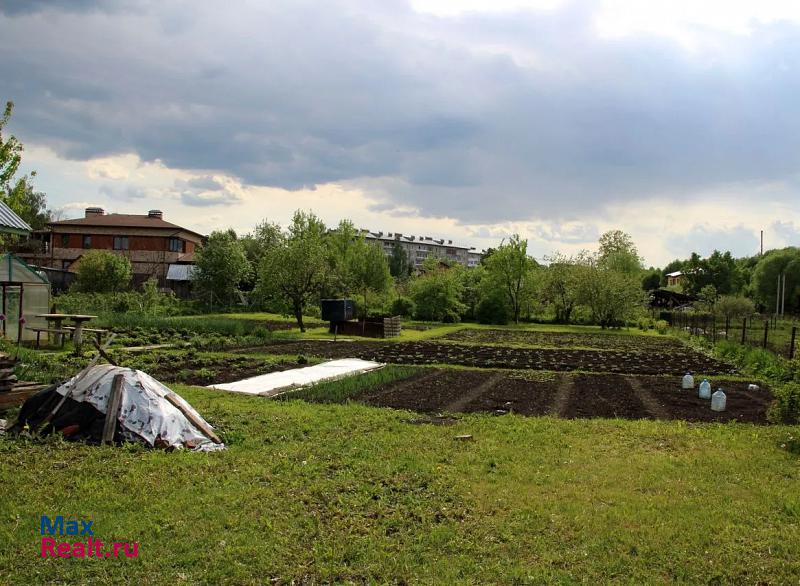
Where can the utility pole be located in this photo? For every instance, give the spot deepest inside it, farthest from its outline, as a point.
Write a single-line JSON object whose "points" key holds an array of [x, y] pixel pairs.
{"points": [[783, 295], [762, 243]]}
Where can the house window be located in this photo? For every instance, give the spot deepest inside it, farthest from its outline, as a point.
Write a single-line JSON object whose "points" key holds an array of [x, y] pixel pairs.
{"points": [[177, 245], [65, 264], [120, 243], [87, 241], [65, 241]]}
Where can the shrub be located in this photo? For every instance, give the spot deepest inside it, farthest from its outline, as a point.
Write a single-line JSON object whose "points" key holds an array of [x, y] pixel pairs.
{"points": [[101, 271], [493, 309], [661, 326], [403, 306]]}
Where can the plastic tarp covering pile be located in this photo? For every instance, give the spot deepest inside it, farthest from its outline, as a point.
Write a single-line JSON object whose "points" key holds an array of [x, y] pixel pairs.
{"points": [[275, 383], [145, 415]]}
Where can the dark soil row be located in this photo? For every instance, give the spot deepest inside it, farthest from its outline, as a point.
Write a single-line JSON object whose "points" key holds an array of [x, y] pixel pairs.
{"points": [[608, 396], [666, 361], [564, 340]]}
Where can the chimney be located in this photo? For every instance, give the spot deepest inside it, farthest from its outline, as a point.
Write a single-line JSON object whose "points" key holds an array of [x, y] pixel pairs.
{"points": [[157, 214], [94, 211], [397, 236]]}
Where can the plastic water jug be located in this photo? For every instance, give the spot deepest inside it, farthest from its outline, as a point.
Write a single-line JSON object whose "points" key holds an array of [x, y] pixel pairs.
{"points": [[752, 387], [718, 401], [705, 389], [688, 381]]}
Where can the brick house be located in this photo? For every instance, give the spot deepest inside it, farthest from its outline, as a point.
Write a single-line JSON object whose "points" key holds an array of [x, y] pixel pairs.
{"points": [[150, 243]]}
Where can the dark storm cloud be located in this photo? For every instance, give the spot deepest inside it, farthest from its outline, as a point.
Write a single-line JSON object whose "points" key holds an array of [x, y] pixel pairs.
{"points": [[429, 112]]}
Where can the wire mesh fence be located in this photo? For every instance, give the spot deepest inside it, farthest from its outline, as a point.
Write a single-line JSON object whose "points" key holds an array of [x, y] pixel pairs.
{"points": [[777, 334]]}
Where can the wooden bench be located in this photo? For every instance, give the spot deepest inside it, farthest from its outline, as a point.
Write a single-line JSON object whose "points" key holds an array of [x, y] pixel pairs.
{"points": [[98, 333], [62, 331]]}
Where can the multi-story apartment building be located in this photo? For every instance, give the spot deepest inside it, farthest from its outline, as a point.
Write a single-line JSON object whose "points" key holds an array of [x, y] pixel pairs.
{"points": [[418, 248], [148, 241]]}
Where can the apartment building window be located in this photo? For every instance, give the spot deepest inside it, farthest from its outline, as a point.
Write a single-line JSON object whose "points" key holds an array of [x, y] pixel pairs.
{"points": [[120, 243], [177, 245], [65, 241], [87, 241]]}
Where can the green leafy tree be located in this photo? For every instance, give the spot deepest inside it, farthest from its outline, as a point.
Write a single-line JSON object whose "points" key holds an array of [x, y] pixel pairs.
{"points": [[341, 245], [765, 278], [618, 252], [221, 266], [651, 280], [256, 244], [511, 270], [437, 293], [719, 270], [367, 269], [297, 268], [19, 194], [734, 306], [560, 284], [102, 271], [399, 263], [612, 296]]}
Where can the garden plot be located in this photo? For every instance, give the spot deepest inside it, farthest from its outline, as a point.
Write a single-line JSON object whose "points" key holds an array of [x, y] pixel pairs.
{"points": [[670, 359], [566, 395], [609, 341]]}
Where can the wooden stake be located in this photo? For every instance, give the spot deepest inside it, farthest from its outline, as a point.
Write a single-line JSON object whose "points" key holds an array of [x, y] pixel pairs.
{"points": [[112, 409], [196, 421]]}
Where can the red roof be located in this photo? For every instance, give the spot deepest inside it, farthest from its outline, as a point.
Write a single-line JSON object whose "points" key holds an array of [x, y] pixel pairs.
{"points": [[124, 221]]}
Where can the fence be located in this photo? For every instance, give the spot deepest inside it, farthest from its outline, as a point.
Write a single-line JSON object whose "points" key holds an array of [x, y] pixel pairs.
{"points": [[779, 335]]}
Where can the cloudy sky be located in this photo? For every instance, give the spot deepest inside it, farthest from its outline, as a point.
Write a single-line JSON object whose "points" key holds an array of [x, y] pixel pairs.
{"points": [[676, 121]]}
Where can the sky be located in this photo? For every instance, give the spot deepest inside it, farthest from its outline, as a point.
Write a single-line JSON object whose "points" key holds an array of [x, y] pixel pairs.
{"points": [[677, 122]]}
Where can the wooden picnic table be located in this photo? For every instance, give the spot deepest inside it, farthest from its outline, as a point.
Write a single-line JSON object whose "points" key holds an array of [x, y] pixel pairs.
{"points": [[78, 319]]}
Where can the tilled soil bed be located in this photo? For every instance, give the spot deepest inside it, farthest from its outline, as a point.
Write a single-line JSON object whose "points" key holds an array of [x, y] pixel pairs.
{"points": [[611, 341], [674, 361], [571, 396], [741, 404], [204, 372]]}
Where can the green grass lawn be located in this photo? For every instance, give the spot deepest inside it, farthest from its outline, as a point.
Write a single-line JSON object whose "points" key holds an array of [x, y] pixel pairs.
{"points": [[338, 493]]}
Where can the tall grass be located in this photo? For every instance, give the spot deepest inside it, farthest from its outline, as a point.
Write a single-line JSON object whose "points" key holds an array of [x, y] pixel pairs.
{"points": [[339, 391]]}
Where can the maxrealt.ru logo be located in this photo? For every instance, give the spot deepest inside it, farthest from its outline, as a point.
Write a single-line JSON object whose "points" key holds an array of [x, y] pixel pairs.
{"points": [[91, 548]]}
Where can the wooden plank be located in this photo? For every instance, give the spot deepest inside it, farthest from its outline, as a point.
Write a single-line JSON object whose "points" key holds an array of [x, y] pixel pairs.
{"points": [[18, 396], [78, 378], [197, 422], [112, 409]]}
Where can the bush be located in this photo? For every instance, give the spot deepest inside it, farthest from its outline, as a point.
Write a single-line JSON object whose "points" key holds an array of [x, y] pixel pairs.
{"points": [[102, 271], [493, 309], [662, 326], [403, 306]]}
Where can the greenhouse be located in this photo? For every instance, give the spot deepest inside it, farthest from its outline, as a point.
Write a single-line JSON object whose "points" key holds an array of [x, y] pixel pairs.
{"points": [[26, 294]]}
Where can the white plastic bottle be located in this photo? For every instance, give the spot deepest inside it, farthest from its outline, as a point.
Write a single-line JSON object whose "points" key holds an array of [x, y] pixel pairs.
{"points": [[718, 401], [705, 389], [687, 382]]}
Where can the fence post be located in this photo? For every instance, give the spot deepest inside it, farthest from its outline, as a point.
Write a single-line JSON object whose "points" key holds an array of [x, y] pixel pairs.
{"points": [[766, 333], [791, 344], [727, 326], [744, 330]]}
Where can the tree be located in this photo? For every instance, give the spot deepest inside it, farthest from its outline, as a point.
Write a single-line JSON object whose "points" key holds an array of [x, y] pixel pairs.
{"points": [[341, 244], [264, 237], [718, 269], [368, 269], [618, 252], [651, 279], [734, 306], [102, 271], [399, 263], [221, 266], [437, 293], [765, 278], [296, 269], [511, 269], [19, 195], [612, 296], [560, 284]]}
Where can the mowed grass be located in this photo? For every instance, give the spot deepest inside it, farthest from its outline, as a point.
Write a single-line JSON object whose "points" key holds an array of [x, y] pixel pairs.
{"points": [[336, 493]]}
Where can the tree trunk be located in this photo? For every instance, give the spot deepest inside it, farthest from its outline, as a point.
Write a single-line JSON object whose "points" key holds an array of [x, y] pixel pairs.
{"points": [[298, 314]]}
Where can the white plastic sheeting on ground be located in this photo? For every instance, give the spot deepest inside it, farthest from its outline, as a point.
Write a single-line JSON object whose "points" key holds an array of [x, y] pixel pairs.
{"points": [[275, 383], [145, 415]]}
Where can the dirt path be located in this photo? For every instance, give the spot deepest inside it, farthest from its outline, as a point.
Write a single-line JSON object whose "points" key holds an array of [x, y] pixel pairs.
{"points": [[471, 395], [654, 408], [562, 398]]}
